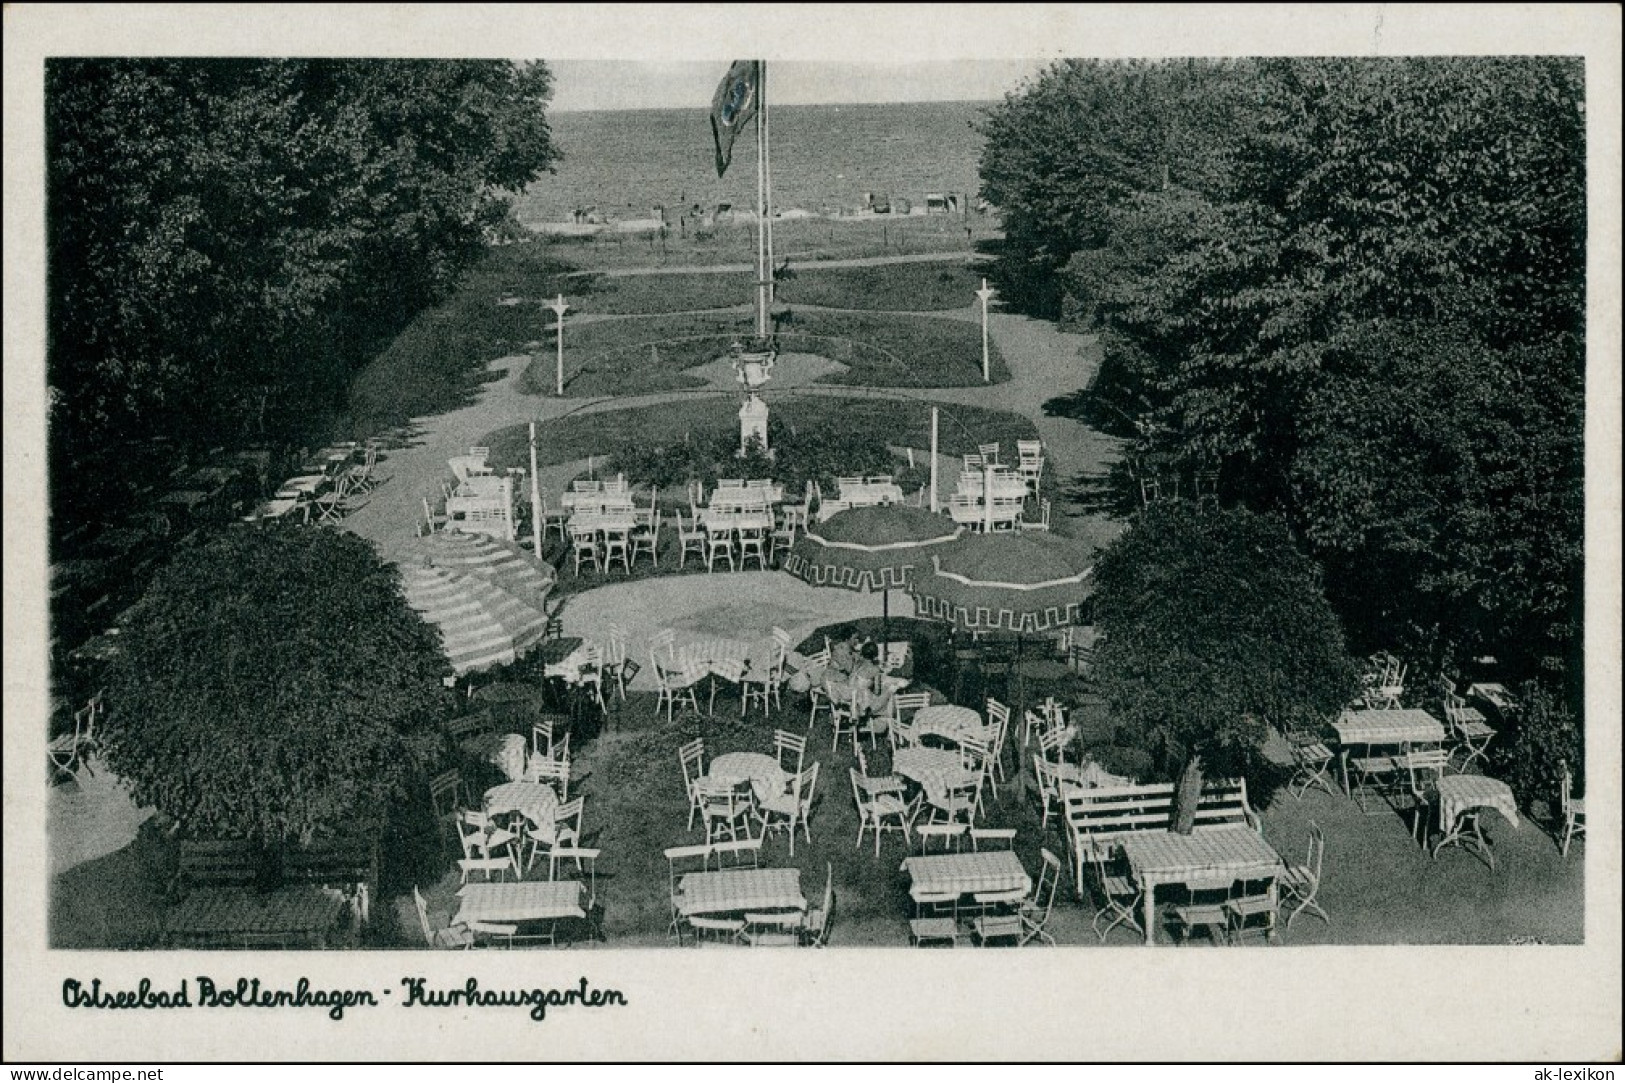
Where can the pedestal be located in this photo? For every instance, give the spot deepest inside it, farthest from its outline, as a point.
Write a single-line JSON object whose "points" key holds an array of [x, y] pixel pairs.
{"points": [[752, 423]]}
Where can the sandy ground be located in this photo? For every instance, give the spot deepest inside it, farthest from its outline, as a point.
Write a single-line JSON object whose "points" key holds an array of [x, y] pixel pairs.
{"points": [[740, 606]]}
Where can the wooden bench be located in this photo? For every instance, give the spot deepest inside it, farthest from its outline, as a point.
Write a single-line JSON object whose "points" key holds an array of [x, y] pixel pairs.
{"points": [[1096, 818], [349, 866], [215, 863]]}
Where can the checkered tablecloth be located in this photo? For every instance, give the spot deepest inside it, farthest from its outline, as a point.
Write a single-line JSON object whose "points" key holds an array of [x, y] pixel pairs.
{"points": [[968, 874], [207, 913], [1164, 857], [535, 801], [1388, 727], [866, 494], [937, 769], [528, 900], [951, 723], [762, 771], [726, 519], [1459, 793], [740, 890]]}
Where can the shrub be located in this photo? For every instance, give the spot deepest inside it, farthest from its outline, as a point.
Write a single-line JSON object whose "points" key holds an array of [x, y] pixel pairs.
{"points": [[1214, 623], [1544, 737], [274, 686]]}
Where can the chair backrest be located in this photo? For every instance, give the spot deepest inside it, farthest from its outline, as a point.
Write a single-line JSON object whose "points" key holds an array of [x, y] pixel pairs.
{"points": [[1004, 837], [1049, 881], [909, 702], [444, 791], [1317, 850], [818, 920], [784, 741], [1566, 793], [1425, 767], [679, 856], [997, 711], [740, 848], [973, 462], [692, 759], [974, 754], [541, 738], [1049, 779], [570, 813], [941, 832], [781, 637], [1029, 449], [806, 787]]}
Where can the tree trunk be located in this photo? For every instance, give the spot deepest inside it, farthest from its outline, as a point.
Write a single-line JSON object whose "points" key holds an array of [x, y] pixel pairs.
{"points": [[1186, 797]]}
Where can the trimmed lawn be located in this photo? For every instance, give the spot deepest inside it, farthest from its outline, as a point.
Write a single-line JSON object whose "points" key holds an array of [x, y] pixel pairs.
{"points": [[905, 424], [639, 355], [895, 287], [438, 362]]}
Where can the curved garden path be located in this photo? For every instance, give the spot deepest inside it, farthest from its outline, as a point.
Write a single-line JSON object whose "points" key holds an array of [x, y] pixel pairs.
{"points": [[1044, 362]]}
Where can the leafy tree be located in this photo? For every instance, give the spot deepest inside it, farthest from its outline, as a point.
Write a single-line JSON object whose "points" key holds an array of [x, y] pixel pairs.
{"points": [[228, 239], [273, 685], [1214, 625], [1364, 308], [1085, 137]]}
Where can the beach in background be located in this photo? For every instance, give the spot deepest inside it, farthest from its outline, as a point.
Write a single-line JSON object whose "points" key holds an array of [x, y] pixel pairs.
{"points": [[826, 159]]}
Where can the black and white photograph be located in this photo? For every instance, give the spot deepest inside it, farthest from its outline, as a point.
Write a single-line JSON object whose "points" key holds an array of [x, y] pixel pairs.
{"points": [[516, 522]]}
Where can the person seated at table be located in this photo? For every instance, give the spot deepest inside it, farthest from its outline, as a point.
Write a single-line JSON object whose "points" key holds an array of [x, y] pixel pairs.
{"points": [[869, 673], [844, 656]]}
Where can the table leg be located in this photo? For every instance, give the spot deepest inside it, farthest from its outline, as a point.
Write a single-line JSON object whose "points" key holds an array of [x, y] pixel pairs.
{"points": [[1343, 757], [1150, 911]]}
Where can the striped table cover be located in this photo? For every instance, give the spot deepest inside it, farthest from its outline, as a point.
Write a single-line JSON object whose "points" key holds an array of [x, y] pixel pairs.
{"points": [[739, 890], [998, 870], [528, 900], [1459, 793], [1388, 727], [937, 769], [535, 801], [1164, 857], [951, 723]]}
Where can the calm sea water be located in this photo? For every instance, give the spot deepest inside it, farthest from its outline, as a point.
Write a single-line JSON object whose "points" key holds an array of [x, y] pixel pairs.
{"points": [[825, 157]]}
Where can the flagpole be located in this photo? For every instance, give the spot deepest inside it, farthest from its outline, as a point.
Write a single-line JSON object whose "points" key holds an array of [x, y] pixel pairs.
{"points": [[767, 187], [761, 207]]}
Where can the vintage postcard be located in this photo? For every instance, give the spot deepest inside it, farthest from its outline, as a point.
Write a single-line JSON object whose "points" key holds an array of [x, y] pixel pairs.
{"points": [[895, 533]]}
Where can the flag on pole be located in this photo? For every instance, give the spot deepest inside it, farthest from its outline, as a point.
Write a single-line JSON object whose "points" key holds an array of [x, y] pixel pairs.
{"points": [[733, 107]]}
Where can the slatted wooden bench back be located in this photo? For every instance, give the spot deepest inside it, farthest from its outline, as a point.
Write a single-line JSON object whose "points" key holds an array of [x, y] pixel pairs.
{"points": [[1098, 817], [347, 865], [216, 863]]}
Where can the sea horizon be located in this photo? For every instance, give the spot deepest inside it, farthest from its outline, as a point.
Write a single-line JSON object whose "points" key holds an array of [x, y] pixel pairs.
{"points": [[827, 158]]}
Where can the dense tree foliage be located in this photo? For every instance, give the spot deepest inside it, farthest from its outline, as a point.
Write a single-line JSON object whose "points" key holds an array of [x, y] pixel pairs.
{"points": [[228, 239], [1360, 298], [273, 685], [1215, 624]]}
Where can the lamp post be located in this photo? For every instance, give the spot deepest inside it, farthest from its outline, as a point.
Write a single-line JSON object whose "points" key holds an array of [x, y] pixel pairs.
{"points": [[986, 294], [559, 306]]}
